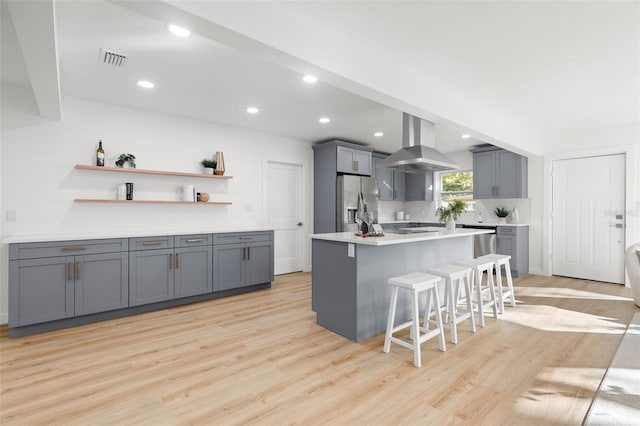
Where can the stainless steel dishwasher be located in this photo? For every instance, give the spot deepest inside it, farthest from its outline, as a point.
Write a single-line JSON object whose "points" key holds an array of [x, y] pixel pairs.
{"points": [[483, 243]]}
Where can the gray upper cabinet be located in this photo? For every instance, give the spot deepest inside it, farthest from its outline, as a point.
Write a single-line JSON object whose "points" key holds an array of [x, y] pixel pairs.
{"points": [[498, 173], [45, 287], [353, 161], [242, 259], [391, 183], [419, 187]]}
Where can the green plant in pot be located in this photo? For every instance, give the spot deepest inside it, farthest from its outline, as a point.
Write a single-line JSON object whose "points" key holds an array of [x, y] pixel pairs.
{"points": [[126, 159], [209, 165], [450, 213], [502, 213]]}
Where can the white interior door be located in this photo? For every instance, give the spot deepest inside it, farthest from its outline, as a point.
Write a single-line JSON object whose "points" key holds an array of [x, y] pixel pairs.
{"points": [[588, 218], [285, 213]]}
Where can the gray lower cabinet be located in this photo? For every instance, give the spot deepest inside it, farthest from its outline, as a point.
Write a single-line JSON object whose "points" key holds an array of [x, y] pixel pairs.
{"points": [[101, 283], [150, 276], [514, 241], [40, 290], [159, 272], [419, 187], [193, 271], [242, 259], [57, 284], [44, 287]]}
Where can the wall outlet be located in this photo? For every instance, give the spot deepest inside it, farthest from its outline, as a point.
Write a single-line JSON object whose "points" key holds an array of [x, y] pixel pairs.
{"points": [[11, 215]]}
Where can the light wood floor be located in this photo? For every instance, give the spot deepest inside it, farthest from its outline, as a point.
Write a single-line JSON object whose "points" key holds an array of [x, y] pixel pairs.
{"points": [[260, 358]]}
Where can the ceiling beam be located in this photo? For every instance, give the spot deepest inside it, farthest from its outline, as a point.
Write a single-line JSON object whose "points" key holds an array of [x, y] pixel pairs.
{"points": [[34, 22]]}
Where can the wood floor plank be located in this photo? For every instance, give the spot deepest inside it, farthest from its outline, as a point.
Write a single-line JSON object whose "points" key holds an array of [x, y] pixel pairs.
{"points": [[260, 359]]}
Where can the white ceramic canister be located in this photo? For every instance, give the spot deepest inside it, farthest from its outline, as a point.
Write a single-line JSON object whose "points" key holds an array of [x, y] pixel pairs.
{"points": [[400, 215], [188, 193]]}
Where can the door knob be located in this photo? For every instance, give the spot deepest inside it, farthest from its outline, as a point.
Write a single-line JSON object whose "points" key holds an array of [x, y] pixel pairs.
{"points": [[299, 223]]}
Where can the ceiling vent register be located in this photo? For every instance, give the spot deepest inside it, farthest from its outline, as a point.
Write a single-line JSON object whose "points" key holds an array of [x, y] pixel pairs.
{"points": [[109, 57]]}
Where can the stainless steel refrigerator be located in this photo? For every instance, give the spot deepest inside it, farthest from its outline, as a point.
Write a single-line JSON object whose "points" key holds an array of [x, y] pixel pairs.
{"points": [[353, 193]]}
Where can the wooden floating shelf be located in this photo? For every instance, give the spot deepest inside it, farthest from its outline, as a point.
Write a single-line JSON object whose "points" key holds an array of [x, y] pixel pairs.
{"points": [[149, 172], [203, 203]]}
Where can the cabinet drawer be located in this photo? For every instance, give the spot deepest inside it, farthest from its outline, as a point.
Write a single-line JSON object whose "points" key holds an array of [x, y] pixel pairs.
{"points": [[242, 237], [66, 248], [193, 240], [506, 230], [150, 243]]}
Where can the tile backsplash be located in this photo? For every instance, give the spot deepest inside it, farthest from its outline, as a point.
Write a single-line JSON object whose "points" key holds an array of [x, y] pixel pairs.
{"points": [[425, 211]]}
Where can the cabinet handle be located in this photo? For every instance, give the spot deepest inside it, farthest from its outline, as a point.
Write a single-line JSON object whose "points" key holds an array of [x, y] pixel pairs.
{"points": [[497, 190], [195, 240], [244, 253], [246, 238], [152, 243], [74, 248], [69, 272], [78, 270], [170, 261], [248, 253], [177, 260]]}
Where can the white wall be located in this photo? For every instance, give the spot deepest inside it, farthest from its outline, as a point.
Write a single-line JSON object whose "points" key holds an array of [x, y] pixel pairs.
{"points": [[40, 183]]}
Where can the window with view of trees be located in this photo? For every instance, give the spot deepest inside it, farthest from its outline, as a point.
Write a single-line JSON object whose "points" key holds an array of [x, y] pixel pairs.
{"points": [[456, 186]]}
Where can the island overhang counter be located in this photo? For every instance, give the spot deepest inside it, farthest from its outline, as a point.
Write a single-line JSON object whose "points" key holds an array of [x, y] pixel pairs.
{"points": [[350, 294]]}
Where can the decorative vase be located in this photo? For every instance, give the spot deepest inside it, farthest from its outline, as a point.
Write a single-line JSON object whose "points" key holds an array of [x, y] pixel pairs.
{"points": [[219, 163], [450, 224], [514, 217]]}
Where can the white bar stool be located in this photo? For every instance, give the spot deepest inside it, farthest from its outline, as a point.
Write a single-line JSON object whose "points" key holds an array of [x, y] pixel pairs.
{"points": [[500, 260], [479, 266], [456, 277], [416, 282]]}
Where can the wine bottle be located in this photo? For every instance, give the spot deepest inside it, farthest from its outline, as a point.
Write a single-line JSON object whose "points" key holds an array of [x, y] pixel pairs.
{"points": [[100, 155]]}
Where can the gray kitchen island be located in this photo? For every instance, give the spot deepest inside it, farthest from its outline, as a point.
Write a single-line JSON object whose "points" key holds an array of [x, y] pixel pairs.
{"points": [[350, 294]]}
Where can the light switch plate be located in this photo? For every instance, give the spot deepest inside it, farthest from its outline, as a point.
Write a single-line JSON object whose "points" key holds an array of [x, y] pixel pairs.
{"points": [[351, 250]]}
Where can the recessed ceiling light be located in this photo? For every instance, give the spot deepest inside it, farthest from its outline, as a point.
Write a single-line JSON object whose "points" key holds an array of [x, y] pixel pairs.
{"points": [[466, 136], [309, 79], [253, 110], [146, 84], [378, 134], [324, 120], [179, 31]]}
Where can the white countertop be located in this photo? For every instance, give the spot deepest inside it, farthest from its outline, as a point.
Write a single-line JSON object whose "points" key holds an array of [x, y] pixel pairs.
{"points": [[388, 239], [457, 222], [492, 224], [120, 234]]}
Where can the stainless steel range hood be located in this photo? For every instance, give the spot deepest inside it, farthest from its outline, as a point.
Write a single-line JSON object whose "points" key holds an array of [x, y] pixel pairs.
{"points": [[418, 154]]}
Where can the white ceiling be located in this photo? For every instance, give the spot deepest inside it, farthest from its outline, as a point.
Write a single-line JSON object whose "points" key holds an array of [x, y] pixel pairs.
{"points": [[549, 66]]}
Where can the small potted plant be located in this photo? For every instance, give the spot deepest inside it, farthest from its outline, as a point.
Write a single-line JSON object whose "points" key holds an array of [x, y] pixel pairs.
{"points": [[126, 160], [448, 214], [209, 166], [502, 214]]}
